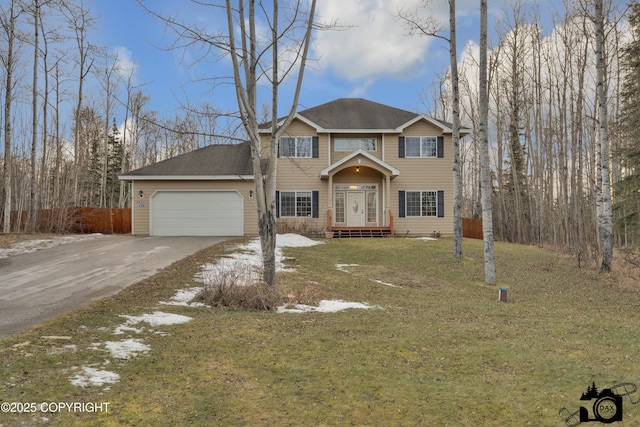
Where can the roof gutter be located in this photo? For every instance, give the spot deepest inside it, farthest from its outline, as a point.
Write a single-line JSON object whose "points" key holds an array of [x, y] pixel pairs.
{"points": [[186, 178]]}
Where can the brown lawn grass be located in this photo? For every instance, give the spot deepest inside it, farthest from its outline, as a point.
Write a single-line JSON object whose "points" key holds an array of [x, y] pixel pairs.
{"points": [[439, 349]]}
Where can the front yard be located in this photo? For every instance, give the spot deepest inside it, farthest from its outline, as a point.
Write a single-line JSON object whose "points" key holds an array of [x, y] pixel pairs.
{"points": [[434, 346]]}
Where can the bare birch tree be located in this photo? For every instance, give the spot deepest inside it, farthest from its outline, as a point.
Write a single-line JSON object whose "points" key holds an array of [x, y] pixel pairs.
{"points": [[604, 216], [247, 65], [8, 20], [429, 26], [80, 20], [486, 185], [255, 56]]}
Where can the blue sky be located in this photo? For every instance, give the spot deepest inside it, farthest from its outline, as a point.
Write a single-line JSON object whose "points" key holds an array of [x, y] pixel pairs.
{"points": [[374, 58]]}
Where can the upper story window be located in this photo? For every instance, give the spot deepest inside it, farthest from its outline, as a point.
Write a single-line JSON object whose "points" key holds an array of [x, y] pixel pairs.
{"points": [[421, 146], [296, 146], [353, 144]]}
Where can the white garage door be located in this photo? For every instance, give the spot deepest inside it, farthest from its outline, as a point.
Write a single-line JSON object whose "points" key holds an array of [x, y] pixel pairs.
{"points": [[196, 213]]}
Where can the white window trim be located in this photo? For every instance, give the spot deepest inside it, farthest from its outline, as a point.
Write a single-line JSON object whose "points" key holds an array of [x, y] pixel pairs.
{"points": [[422, 154], [295, 143], [406, 203], [295, 193]]}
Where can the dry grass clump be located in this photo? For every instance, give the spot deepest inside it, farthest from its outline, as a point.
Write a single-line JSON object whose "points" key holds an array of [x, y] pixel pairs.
{"points": [[6, 240], [240, 286], [254, 297], [308, 294], [237, 286], [626, 265]]}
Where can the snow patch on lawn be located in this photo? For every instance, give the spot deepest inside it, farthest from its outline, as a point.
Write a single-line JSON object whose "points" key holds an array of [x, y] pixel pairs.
{"points": [[246, 264], [122, 329], [157, 318], [325, 306], [94, 377], [29, 246], [125, 349], [183, 298], [343, 267], [384, 283], [425, 238]]}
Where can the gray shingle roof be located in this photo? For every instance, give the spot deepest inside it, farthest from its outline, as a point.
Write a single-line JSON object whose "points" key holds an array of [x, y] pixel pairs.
{"points": [[357, 113], [214, 160]]}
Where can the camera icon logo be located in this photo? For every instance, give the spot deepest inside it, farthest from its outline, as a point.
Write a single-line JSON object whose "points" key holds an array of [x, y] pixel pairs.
{"points": [[607, 406]]}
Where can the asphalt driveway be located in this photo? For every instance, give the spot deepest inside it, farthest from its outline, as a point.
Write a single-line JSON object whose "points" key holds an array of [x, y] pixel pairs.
{"points": [[39, 286]]}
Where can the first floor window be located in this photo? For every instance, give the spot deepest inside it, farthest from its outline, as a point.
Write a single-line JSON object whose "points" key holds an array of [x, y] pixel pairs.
{"points": [[421, 203], [340, 206], [295, 203], [372, 206]]}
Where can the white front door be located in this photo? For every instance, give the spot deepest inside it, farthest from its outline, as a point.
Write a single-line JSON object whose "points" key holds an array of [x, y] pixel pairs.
{"points": [[355, 209]]}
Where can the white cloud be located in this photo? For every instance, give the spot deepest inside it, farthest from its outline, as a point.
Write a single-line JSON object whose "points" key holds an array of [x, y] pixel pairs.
{"points": [[125, 66], [374, 44]]}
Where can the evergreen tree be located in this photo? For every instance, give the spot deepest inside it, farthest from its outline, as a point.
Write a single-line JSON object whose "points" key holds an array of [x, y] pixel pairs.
{"points": [[114, 162], [627, 190]]}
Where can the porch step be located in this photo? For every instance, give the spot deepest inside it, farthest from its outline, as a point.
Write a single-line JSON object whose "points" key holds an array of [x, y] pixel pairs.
{"points": [[361, 232]]}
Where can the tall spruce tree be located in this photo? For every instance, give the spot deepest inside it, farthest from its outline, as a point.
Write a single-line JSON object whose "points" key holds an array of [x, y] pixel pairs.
{"points": [[627, 190], [115, 157]]}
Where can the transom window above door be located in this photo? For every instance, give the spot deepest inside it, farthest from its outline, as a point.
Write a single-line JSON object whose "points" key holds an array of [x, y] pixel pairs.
{"points": [[353, 144]]}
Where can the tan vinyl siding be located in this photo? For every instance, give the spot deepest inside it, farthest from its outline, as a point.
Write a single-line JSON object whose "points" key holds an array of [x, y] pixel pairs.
{"points": [[416, 174], [303, 174], [421, 174], [141, 214]]}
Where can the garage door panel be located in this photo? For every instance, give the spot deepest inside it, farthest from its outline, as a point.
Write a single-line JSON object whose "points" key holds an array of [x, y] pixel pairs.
{"points": [[197, 213]]}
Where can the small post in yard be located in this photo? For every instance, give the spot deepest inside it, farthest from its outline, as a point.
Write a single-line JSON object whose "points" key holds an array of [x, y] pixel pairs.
{"points": [[502, 294]]}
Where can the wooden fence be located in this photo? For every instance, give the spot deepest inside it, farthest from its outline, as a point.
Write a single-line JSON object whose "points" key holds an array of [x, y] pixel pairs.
{"points": [[77, 220], [472, 228]]}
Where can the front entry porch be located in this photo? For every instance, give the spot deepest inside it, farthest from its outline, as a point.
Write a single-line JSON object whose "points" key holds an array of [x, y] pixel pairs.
{"points": [[359, 196], [338, 232]]}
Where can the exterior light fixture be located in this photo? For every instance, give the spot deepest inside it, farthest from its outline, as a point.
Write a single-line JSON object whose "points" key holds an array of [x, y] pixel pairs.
{"points": [[357, 169], [251, 194], [141, 194]]}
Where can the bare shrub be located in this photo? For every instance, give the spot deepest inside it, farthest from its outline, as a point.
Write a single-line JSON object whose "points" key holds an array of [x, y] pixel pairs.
{"points": [[307, 294], [237, 285], [304, 227]]}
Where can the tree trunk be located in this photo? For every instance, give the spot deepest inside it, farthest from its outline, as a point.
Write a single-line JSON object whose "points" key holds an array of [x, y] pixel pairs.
{"points": [[264, 177], [604, 215], [43, 198], [9, 28], [485, 171], [457, 175], [34, 120]]}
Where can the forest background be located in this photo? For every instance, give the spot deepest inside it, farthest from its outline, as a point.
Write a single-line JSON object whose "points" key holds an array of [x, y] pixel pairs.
{"points": [[74, 117]]}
